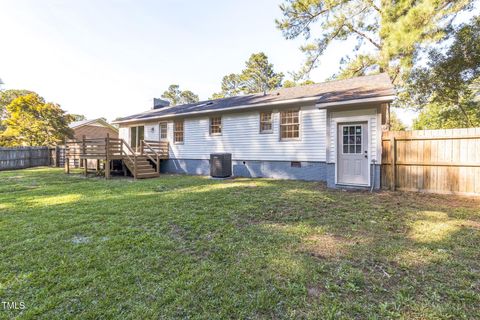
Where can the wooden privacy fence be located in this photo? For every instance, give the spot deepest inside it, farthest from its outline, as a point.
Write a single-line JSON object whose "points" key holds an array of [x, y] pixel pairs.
{"points": [[439, 161], [24, 157]]}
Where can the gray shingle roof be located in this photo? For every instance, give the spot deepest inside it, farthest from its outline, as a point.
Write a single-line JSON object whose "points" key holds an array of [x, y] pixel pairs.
{"points": [[78, 123], [332, 91]]}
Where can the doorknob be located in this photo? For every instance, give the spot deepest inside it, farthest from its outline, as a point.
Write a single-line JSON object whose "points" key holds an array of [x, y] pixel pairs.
{"points": [[366, 154]]}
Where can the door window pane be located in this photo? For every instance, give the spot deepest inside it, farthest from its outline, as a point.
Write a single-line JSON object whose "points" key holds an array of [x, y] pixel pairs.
{"points": [[352, 139]]}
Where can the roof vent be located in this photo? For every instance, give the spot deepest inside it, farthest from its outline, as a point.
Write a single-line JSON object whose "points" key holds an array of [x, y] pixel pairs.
{"points": [[160, 103]]}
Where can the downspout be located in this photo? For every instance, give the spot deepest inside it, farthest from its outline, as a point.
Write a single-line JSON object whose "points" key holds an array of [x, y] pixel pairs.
{"points": [[373, 182]]}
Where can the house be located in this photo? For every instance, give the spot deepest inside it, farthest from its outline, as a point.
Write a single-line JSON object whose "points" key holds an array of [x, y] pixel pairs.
{"points": [[96, 128], [328, 132]]}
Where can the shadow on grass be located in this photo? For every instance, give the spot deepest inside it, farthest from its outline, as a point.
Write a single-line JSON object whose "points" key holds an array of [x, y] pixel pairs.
{"points": [[192, 247]]}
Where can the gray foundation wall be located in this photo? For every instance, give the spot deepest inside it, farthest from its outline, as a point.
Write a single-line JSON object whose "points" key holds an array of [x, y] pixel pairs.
{"points": [[311, 171], [374, 170]]}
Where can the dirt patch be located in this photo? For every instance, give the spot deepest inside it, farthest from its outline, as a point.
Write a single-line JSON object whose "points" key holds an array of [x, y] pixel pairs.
{"points": [[327, 246]]}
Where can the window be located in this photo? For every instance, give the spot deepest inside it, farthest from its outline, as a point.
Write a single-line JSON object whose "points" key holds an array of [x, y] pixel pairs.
{"points": [[137, 134], [216, 125], [163, 131], [289, 125], [178, 131], [352, 139], [266, 122]]}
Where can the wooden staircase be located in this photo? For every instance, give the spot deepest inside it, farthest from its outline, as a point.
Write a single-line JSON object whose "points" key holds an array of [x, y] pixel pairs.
{"points": [[142, 169], [142, 163]]}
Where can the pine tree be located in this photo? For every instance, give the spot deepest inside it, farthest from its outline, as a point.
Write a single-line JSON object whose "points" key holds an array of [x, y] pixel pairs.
{"points": [[388, 33]]}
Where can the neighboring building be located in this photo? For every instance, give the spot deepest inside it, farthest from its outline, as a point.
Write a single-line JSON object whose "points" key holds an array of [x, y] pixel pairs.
{"points": [[326, 132], [96, 128]]}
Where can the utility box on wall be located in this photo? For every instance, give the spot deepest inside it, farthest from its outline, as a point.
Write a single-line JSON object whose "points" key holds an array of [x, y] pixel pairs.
{"points": [[221, 165]]}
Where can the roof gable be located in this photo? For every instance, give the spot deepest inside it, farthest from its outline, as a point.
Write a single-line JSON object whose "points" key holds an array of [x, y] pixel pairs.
{"points": [[100, 121]]}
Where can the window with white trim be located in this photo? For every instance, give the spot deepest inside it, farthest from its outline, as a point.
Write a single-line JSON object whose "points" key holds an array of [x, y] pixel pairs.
{"points": [[266, 122], [163, 130], [178, 133], [290, 124], [215, 126]]}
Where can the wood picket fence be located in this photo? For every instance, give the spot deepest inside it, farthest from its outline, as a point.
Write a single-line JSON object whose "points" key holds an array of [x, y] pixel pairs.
{"points": [[437, 161], [24, 157]]}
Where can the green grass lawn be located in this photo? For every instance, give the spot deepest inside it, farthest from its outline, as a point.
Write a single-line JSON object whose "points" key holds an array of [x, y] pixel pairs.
{"points": [[191, 247]]}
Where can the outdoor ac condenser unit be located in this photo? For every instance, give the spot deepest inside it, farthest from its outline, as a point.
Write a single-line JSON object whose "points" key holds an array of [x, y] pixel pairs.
{"points": [[220, 165]]}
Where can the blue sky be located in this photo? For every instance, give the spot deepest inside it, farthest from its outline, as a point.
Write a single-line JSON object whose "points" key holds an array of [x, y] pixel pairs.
{"points": [[110, 58]]}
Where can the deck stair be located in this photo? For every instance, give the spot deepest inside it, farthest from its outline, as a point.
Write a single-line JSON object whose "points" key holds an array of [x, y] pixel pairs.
{"points": [[144, 162]]}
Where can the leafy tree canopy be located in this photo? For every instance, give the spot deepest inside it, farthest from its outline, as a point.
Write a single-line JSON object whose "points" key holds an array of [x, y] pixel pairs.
{"points": [[388, 33], [258, 76], [31, 121], [78, 117], [176, 96], [231, 86], [395, 123], [6, 97], [447, 89], [291, 83]]}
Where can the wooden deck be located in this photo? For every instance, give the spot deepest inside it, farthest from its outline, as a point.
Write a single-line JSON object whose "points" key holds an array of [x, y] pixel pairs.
{"points": [[142, 163]]}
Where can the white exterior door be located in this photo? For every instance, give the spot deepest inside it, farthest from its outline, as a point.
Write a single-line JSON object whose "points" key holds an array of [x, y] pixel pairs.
{"points": [[352, 154]]}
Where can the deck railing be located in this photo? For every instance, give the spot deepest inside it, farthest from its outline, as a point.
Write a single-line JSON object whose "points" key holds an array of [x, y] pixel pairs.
{"points": [[114, 148]]}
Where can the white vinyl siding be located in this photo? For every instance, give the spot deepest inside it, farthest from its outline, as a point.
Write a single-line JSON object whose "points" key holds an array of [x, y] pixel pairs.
{"points": [[241, 137], [369, 115]]}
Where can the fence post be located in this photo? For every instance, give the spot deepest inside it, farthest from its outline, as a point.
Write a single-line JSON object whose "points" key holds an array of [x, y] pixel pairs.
{"points": [[393, 148], [66, 158], [57, 156]]}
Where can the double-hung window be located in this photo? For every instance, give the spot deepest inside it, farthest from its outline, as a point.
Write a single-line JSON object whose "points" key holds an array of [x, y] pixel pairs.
{"points": [[163, 131], [178, 133], [215, 126], [266, 122], [290, 124]]}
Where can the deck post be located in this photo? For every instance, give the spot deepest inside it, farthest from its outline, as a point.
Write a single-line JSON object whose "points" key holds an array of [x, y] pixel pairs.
{"points": [[141, 147], [158, 164], [84, 160], [124, 168], [107, 157]]}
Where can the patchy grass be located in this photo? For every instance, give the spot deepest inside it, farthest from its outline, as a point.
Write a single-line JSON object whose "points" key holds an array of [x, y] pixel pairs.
{"points": [[190, 247]]}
